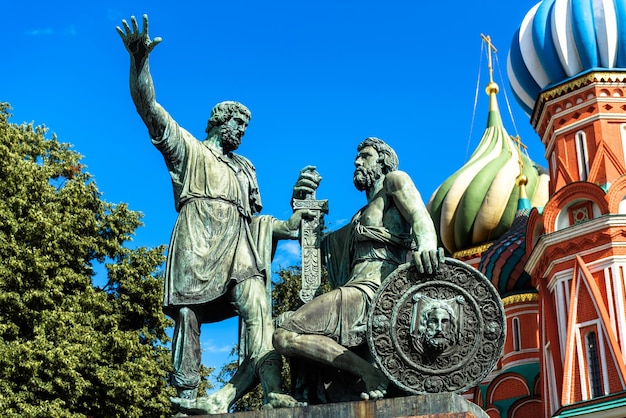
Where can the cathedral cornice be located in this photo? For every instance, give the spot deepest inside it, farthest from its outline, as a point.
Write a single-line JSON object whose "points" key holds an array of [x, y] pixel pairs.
{"points": [[574, 85], [585, 79], [520, 298], [571, 237], [473, 251]]}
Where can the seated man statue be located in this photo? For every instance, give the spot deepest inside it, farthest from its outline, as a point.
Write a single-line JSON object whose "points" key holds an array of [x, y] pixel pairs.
{"points": [[358, 257]]}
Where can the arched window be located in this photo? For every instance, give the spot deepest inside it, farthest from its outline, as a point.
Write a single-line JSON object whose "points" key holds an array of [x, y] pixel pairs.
{"points": [[516, 335], [582, 155], [593, 365]]}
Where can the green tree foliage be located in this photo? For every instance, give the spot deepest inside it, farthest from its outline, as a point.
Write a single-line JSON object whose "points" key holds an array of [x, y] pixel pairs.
{"points": [[285, 297], [68, 348], [205, 384], [286, 290]]}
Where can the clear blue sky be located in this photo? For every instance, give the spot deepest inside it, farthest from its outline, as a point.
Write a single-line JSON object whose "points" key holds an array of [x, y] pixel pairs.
{"points": [[318, 77]]}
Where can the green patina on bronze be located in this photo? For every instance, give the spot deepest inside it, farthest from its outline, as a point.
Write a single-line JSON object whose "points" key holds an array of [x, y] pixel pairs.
{"points": [[218, 262]]}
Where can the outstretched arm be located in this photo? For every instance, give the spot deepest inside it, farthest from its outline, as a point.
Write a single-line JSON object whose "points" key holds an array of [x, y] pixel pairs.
{"points": [[409, 202], [139, 46]]}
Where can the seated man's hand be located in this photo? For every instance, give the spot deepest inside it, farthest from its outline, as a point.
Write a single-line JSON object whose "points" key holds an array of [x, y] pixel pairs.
{"points": [[308, 181], [428, 261]]}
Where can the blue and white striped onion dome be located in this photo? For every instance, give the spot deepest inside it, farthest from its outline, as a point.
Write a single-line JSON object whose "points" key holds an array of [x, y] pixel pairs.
{"points": [[560, 39]]}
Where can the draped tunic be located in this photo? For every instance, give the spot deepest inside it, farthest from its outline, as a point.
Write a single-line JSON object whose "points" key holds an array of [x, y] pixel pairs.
{"points": [[216, 241], [357, 258], [361, 256]]}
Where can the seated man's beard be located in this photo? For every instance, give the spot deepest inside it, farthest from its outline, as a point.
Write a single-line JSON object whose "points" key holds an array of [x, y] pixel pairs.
{"points": [[364, 178], [231, 138], [438, 341]]}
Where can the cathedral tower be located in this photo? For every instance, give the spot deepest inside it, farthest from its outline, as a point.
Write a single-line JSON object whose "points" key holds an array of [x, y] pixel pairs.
{"points": [[567, 67]]}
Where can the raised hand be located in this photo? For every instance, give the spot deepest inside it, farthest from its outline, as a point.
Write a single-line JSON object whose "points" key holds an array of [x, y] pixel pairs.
{"points": [[137, 43]]}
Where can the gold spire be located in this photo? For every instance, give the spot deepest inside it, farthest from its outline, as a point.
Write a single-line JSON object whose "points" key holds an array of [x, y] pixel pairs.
{"points": [[521, 179], [492, 88], [490, 47]]}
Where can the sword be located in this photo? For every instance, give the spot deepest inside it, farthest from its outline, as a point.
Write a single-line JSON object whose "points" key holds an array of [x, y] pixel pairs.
{"points": [[310, 233]]}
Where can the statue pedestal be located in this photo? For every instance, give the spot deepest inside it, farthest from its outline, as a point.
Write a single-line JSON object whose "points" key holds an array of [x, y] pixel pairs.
{"points": [[443, 405]]}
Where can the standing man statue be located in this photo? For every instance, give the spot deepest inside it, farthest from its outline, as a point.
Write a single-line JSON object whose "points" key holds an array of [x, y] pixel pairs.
{"points": [[358, 257], [218, 261]]}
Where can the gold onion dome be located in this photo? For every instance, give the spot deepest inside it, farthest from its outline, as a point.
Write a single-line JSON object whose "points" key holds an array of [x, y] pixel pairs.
{"points": [[477, 204]]}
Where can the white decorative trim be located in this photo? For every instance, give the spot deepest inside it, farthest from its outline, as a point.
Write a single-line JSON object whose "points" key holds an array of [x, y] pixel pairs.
{"points": [[602, 358], [582, 156], [583, 375], [563, 275], [533, 311], [603, 362], [549, 384], [582, 122], [494, 388], [609, 277], [570, 233], [619, 315], [622, 131], [562, 301], [533, 351]]}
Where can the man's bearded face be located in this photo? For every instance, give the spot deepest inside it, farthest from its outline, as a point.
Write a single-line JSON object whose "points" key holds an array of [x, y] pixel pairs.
{"points": [[438, 341], [232, 131], [365, 177], [231, 137], [439, 335]]}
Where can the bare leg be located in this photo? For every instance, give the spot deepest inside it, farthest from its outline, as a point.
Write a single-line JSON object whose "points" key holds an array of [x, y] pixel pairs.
{"points": [[262, 362], [269, 372], [327, 351], [252, 305]]}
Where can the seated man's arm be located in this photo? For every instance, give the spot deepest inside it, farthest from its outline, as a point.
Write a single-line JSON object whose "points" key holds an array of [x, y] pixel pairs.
{"points": [[411, 206]]}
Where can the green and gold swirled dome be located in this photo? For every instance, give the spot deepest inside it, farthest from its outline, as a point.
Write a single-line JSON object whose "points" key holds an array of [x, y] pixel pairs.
{"points": [[477, 204]]}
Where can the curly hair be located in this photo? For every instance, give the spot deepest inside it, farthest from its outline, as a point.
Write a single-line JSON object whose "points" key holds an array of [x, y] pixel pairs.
{"points": [[437, 305], [225, 110], [387, 156]]}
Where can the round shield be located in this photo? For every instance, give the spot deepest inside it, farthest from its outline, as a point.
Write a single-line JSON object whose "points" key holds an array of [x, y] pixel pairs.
{"points": [[442, 332]]}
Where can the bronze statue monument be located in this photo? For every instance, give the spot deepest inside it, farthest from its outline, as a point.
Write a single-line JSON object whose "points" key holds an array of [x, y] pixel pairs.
{"points": [[428, 324]]}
